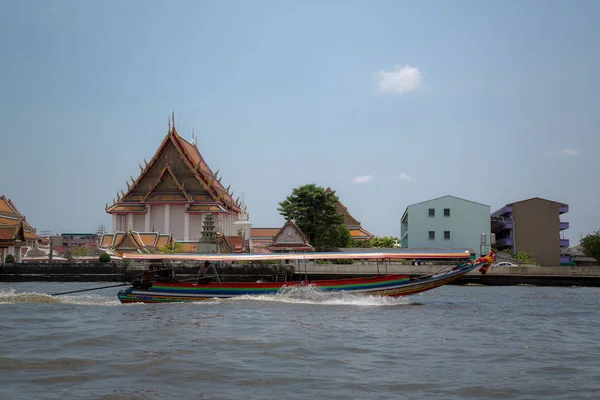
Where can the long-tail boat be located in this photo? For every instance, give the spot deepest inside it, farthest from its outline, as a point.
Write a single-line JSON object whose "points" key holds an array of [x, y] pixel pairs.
{"points": [[148, 290]]}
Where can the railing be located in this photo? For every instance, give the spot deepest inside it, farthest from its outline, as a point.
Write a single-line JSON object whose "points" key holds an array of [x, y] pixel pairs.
{"points": [[564, 225], [504, 242]]}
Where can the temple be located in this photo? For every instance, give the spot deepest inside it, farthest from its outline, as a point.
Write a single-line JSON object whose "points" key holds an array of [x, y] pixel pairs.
{"points": [[356, 230], [15, 232], [290, 239], [172, 195]]}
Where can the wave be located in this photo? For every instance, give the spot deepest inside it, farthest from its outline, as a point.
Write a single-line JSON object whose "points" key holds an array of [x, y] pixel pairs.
{"points": [[311, 295], [12, 297]]}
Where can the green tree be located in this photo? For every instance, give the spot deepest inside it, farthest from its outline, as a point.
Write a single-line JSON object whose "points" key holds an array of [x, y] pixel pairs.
{"points": [[172, 248], [9, 259], [314, 210], [80, 251], [104, 258], [384, 242], [591, 245]]}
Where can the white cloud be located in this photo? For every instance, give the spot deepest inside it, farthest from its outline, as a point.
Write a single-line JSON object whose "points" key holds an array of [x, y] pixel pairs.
{"points": [[400, 80], [569, 152], [363, 179], [404, 176]]}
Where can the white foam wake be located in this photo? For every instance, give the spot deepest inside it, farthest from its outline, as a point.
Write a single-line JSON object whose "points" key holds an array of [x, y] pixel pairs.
{"points": [[10, 296], [311, 295]]}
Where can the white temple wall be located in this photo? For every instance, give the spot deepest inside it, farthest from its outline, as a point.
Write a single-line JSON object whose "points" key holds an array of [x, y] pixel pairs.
{"points": [[196, 226], [121, 221], [139, 222], [177, 221], [157, 219], [226, 224]]}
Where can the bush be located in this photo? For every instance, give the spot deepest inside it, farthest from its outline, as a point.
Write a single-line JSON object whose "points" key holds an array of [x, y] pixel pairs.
{"points": [[104, 257], [9, 259], [524, 258], [342, 261]]}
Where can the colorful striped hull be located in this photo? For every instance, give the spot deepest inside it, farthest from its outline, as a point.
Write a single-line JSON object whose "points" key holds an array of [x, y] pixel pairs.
{"points": [[388, 285]]}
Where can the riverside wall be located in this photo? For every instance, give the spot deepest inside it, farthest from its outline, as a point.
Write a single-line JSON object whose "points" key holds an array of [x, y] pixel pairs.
{"points": [[113, 272]]}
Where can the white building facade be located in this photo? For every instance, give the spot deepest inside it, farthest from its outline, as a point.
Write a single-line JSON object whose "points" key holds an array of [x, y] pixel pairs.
{"points": [[447, 222]]}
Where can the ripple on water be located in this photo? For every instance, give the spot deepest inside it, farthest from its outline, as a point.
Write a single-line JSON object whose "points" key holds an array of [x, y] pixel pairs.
{"points": [[459, 343]]}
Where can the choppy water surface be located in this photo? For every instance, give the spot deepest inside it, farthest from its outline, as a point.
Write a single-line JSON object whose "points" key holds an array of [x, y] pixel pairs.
{"points": [[456, 342]]}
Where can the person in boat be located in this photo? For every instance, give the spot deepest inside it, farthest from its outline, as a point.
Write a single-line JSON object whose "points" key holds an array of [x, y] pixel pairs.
{"points": [[204, 278], [147, 279]]}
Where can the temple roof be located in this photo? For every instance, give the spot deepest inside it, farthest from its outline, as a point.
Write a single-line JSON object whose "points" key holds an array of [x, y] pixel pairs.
{"points": [[132, 240], [10, 215], [176, 174], [290, 238], [353, 225], [12, 233], [233, 244], [263, 233]]}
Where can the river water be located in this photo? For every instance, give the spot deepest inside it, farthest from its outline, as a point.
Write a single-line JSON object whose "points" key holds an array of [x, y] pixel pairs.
{"points": [[455, 342]]}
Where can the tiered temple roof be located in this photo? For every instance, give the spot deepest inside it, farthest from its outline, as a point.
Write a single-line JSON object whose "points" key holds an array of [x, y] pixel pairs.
{"points": [[11, 218], [176, 174], [131, 241], [353, 225]]}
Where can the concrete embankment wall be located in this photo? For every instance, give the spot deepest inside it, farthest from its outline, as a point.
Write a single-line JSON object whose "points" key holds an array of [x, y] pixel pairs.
{"points": [[99, 272], [62, 272]]}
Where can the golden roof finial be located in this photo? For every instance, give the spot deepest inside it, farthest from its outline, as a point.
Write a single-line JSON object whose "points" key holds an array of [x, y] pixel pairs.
{"points": [[173, 120], [128, 185], [145, 163], [169, 125], [141, 168]]}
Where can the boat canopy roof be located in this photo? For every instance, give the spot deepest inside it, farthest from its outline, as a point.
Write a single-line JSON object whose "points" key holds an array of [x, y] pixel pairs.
{"points": [[391, 254]]}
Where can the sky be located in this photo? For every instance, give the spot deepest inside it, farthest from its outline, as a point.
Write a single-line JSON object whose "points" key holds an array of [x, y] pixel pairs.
{"points": [[389, 103]]}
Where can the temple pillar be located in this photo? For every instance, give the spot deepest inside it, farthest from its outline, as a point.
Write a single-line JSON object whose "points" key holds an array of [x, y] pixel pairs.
{"points": [[19, 254], [147, 219], [11, 250], [130, 221], [167, 218], [114, 223], [186, 227], [2, 250]]}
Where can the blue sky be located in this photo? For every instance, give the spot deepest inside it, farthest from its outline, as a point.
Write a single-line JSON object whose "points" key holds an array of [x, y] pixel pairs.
{"points": [[388, 102]]}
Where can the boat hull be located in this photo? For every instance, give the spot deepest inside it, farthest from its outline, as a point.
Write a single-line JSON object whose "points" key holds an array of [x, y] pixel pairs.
{"points": [[386, 285]]}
